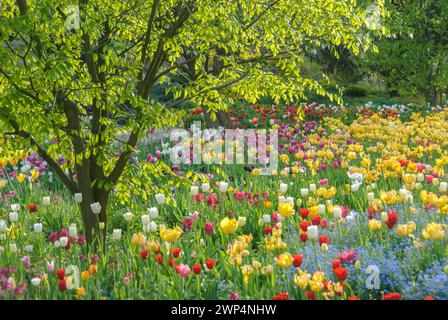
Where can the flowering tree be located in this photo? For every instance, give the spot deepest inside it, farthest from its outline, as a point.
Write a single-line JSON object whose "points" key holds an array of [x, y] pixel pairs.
{"points": [[80, 72]]}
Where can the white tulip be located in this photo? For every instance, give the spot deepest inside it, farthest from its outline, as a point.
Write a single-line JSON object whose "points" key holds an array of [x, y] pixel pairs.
{"points": [[420, 177], [46, 201], [116, 234], [373, 185], [304, 192], [370, 196], [194, 190], [37, 227], [12, 247], [312, 187], [15, 207], [337, 212], [73, 231], [289, 200], [443, 187], [160, 198], [78, 197], [312, 232], [283, 187], [321, 209], [267, 218], [153, 226], [145, 219], [403, 193], [205, 187], [435, 182], [153, 212], [355, 187], [95, 207], [281, 199], [241, 221], [223, 186], [2, 226], [128, 216], [13, 216], [36, 281], [63, 241], [29, 248], [410, 199], [56, 244], [384, 216]]}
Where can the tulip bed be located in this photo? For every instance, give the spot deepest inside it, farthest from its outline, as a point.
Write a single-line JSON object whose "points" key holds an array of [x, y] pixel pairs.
{"points": [[357, 210]]}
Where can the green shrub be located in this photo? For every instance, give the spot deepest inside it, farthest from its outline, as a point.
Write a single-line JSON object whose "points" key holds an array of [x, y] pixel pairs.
{"points": [[357, 90]]}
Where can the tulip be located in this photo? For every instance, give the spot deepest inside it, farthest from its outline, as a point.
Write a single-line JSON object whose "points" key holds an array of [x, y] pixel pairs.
{"points": [[152, 227], [355, 187], [223, 186], [50, 266], [312, 232], [283, 187], [13, 216], [78, 197], [29, 248], [26, 262], [2, 226], [170, 235], [384, 216], [228, 226], [321, 209], [145, 219], [95, 207], [286, 209], [209, 227], [184, 270], [303, 192], [128, 216], [337, 212], [15, 207], [63, 241], [160, 198], [46, 201], [266, 218], [116, 234], [370, 196], [36, 281], [37, 227], [205, 187], [194, 190], [73, 231], [241, 221], [285, 260], [312, 187], [153, 212], [12, 248], [443, 187]]}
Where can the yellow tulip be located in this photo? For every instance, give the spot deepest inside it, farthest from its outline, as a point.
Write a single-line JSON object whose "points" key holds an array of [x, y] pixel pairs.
{"points": [[374, 224], [21, 177], [35, 174], [285, 260], [138, 240], [228, 226], [286, 209], [170, 235], [434, 231]]}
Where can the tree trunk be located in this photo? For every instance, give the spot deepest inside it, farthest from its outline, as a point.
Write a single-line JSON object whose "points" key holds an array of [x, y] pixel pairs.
{"points": [[94, 235], [222, 119]]}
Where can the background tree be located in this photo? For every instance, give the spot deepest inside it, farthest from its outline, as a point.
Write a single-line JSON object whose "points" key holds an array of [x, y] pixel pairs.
{"points": [[83, 83], [414, 58]]}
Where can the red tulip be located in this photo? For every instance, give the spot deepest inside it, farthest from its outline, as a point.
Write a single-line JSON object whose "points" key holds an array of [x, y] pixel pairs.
{"points": [[341, 273], [210, 263], [197, 268]]}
